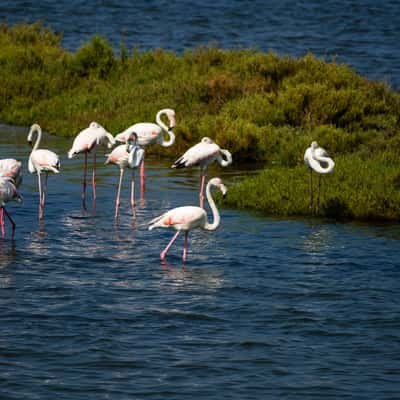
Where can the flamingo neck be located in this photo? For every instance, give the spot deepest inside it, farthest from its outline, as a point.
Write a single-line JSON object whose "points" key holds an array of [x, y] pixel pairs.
{"points": [[216, 217], [225, 158], [36, 128], [161, 124], [318, 159]]}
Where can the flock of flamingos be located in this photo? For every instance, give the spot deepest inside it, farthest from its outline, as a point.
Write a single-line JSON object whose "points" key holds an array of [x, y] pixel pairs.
{"points": [[131, 154]]}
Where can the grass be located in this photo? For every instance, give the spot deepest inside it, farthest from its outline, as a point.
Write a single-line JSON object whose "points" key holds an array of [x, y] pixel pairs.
{"points": [[260, 106]]}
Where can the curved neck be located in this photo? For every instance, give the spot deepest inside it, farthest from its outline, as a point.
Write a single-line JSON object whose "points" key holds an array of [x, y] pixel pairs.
{"points": [[35, 128], [316, 163], [216, 218], [225, 158], [171, 135]]}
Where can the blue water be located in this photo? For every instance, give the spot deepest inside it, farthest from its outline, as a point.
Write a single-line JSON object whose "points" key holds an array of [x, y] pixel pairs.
{"points": [[364, 34], [263, 309]]}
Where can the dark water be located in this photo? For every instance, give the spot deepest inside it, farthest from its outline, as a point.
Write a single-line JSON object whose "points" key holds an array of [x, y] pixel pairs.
{"points": [[364, 34], [264, 308]]}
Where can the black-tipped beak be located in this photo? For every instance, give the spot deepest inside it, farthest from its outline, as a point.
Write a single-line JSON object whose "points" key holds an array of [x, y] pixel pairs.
{"points": [[30, 142]]}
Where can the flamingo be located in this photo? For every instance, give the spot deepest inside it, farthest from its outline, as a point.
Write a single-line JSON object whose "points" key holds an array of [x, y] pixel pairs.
{"points": [[316, 159], [203, 154], [9, 167], [41, 160], [8, 192], [189, 217], [150, 133], [87, 140], [128, 155]]}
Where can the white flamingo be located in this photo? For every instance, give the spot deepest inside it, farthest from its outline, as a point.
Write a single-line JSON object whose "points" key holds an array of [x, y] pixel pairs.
{"points": [[41, 160], [128, 155], [189, 217], [8, 192], [11, 168], [316, 159], [202, 154], [151, 133], [87, 140]]}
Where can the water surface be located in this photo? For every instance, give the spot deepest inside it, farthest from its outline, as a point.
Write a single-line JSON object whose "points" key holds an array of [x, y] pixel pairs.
{"points": [[264, 308]]}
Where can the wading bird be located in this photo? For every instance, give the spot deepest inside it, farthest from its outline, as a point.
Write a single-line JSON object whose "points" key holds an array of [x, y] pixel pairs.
{"points": [[41, 160], [189, 217], [316, 159], [128, 155], [11, 168], [150, 133], [203, 154], [8, 192], [85, 141]]}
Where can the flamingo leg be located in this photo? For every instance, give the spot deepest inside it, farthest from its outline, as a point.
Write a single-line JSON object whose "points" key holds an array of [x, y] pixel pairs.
{"points": [[40, 196], [185, 246], [11, 222], [94, 179], [165, 251], [311, 191], [142, 178], [318, 194], [202, 181], [118, 200], [84, 182], [133, 194], [3, 233]]}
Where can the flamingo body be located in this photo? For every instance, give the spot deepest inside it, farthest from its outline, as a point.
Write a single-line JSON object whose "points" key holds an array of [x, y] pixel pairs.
{"points": [[11, 168], [8, 192], [189, 217], [202, 154]]}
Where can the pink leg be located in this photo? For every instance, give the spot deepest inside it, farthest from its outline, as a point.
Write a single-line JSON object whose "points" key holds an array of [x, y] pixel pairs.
{"points": [[165, 251], [84, 182], [3, 233], [118, 200], [11, 221], [185, 246], [94, 179], [142, 179], [203, 178], [133, 194], [40, 196]]}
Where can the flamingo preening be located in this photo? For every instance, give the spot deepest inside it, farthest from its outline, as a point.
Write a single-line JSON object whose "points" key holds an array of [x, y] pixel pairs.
{"points": [[8, 192], [189, 217], [87, 140], [316, 158], [11, 168], [203, 154], [41, 160], [128, 155], [150, 133]]}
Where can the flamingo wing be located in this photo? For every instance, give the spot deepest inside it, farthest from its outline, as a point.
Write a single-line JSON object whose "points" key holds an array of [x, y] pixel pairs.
{"points": [[201, 153], [180, 218], [45, 160]]}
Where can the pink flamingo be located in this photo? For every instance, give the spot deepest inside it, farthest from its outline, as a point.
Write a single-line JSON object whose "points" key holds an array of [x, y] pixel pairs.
{"points": [[11, 168], [85, 141], [150, 133], [189, 217], [128, 155], [203, 154], [8, 192], [41, 160]]}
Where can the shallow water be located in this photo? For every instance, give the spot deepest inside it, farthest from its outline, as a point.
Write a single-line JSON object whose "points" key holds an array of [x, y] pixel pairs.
{"points": [[364, 34], [264, 308]]}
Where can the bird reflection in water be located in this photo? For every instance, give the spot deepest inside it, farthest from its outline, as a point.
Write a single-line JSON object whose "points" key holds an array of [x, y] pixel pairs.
{"points": [[8, 253]]}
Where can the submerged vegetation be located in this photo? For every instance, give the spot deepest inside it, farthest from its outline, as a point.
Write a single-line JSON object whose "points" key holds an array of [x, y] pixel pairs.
{"points": [[260, 106]]}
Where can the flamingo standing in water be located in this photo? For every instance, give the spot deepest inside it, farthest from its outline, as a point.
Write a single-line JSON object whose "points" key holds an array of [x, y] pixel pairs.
{"points": [[203, 154], [189, 217], [316, 159], [11, 168], [128, 155], [41, 160], [8, 192], [85, 141], [150, 133]]}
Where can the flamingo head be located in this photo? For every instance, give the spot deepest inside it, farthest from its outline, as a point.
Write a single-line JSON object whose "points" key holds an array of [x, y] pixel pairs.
{"points": [[171, 117], [207, 140], [218, 183], [314, 145]]}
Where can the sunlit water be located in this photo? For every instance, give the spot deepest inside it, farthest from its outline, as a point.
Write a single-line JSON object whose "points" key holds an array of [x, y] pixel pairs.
{"points": [[264, 308], [364, 34]]}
